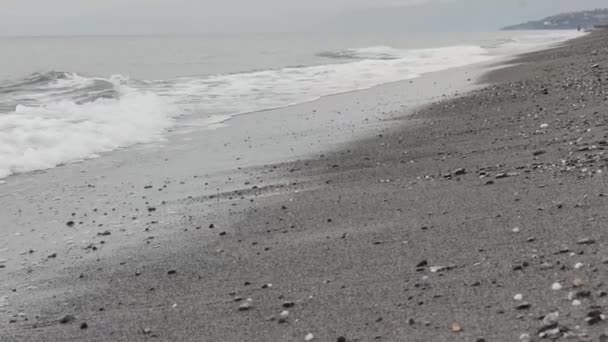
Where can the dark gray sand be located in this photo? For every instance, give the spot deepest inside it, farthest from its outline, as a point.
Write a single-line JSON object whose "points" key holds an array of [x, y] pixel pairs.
{"points": [[481, 218]]}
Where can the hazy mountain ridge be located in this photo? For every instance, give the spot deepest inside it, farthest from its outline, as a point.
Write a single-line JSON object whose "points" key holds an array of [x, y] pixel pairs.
{"points": [[564, 21]]}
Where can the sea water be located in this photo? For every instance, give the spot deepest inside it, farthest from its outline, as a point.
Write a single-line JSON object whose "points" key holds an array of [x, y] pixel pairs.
{"points": [[64, 99]]}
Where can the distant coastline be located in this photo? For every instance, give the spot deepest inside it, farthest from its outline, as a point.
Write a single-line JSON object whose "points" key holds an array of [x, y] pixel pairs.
{"points": [[583, 20]]}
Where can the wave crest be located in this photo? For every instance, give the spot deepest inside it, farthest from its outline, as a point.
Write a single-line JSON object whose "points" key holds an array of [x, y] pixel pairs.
{"points": [[74, 117], [373, 52]]}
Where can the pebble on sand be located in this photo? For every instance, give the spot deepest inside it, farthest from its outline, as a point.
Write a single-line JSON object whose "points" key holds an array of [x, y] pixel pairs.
{"points": [[578, 265], [594, 317], [556, 286], [67, 319], [456, 327], [248, 305], [551, 318], [586, 241], [518, 297], [459, 172], [309, 337]]}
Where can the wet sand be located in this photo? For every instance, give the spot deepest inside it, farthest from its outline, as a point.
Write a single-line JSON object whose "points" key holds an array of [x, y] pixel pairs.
{"points": [[478, 218]]}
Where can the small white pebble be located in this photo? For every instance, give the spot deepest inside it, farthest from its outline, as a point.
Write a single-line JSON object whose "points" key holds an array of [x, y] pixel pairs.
{"points": [[285, 313], [524, 337], [578, 265], [518, 297], [576, 302], [515, 230], [551, 318], [556, 286], [309, 337], [543, 126], [174, 305]]}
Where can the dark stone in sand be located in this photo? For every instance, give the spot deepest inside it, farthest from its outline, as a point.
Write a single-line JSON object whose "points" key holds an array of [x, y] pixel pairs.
{"points": [[539, 152], [423, 263], [289, 305], [171, 272], [105, 233], [67, 319], [586, 241], [341, 339], [459, 172], [84, 326], [70, 224], [583, 294], [594, 317], [523, 306]]}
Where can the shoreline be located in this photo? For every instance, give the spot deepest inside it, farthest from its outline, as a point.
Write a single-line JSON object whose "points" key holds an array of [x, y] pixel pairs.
{"points": [[184, 126], [316, 214], [105, 193]]}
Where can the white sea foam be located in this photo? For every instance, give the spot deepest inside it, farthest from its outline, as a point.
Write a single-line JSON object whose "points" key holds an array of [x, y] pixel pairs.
{"points": [[247, 92], [35, 138]]}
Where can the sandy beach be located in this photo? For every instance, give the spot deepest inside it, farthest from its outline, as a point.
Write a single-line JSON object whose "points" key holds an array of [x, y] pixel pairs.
{"points": [[479, 217]]}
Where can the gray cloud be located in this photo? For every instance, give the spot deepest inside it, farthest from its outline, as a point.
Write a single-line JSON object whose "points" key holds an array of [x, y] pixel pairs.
{"points": [[39, 17]]}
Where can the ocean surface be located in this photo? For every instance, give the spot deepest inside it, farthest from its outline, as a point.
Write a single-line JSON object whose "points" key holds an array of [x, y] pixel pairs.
{"points": [[65, 99]]}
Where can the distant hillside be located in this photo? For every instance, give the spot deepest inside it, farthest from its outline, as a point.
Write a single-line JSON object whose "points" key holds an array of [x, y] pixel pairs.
{"points": [[566, 21]]}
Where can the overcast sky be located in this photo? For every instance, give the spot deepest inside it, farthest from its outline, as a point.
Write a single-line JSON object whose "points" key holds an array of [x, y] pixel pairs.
{"points": [[82, 17]]}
